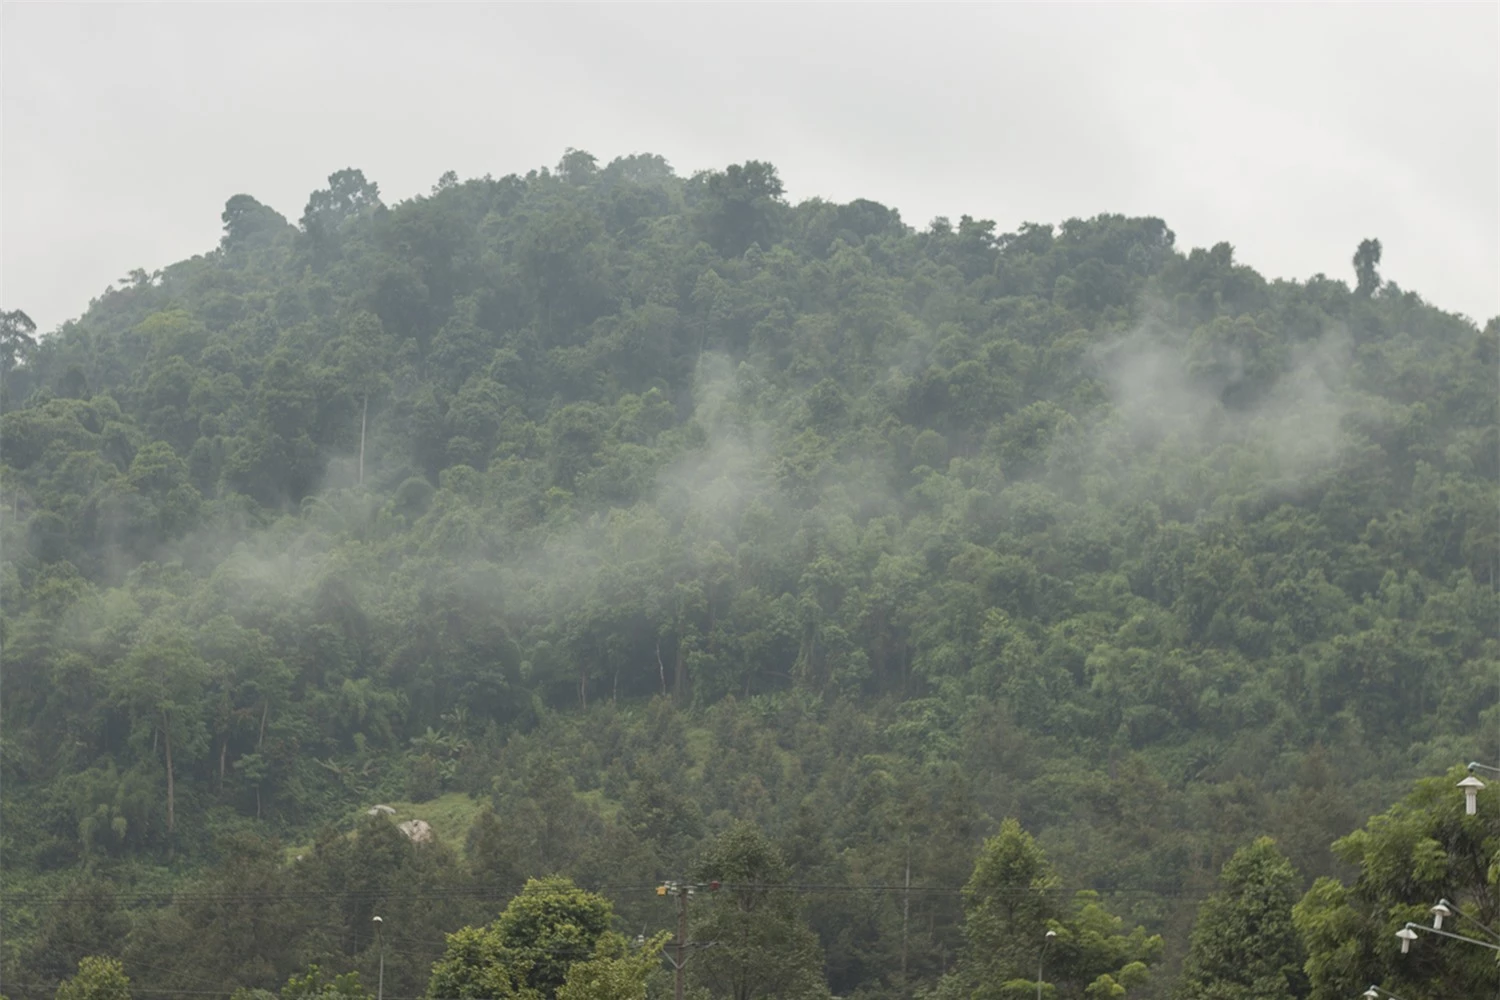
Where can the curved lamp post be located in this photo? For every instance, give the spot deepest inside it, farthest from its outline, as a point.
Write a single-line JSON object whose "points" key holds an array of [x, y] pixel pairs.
{"points": [[1472, 785], [1408, 934], [1447, 908]]}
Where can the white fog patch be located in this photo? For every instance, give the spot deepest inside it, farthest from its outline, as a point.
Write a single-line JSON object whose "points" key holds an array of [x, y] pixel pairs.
{"points": [[1291, 421]]}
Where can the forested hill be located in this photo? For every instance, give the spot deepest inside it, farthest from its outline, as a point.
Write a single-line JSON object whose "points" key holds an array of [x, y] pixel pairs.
{"points": [[611, 507]]}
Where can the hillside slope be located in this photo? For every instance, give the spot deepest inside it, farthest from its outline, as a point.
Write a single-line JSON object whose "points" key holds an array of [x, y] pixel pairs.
{"points": [[634, 503]]}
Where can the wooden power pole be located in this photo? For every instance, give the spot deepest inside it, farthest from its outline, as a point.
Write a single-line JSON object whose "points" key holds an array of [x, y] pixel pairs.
{"points": [[683, 891], [678, 983]]}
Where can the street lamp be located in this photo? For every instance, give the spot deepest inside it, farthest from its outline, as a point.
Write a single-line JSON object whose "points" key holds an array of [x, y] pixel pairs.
{"points": [[1408, 934], [1047, 939], [1448, 908], [380, 937], [1376, 993], [1471, 786]]}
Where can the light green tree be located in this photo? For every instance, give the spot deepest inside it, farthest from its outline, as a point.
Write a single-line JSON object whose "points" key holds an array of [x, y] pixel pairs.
{"points": [[97, 979], [1424, 848], [615, 972], [528, 950], [315, 984]]}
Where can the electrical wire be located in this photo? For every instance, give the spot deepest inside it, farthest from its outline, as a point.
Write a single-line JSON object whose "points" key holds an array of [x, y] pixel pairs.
{"points": [[624, 888]]}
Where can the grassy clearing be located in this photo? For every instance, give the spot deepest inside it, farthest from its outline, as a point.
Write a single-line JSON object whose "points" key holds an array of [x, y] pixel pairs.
{"points": [[450, 817]]}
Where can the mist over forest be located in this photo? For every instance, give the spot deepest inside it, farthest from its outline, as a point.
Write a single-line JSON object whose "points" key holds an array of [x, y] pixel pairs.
{"points": [[911, 593]]}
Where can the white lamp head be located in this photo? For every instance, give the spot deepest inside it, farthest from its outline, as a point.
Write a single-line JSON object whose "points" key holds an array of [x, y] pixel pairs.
{"points": [[1407, 936], [1471, 786], [1371, 994], [1440, 911]]}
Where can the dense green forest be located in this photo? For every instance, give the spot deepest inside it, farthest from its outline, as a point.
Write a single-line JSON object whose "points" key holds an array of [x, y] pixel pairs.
{"points": [[925, 590]]}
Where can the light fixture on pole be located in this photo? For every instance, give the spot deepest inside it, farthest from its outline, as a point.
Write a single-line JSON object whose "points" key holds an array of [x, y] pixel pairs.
{"points": [[1376, 993], [1447, 908], [1047, 939], [1408, 934], [1471, 786]]}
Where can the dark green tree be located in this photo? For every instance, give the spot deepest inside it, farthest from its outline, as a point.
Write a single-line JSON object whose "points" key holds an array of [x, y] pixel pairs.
{"points": [[17, 339], [1366, 264], [741, 207], [1244, 945], [761, 946], [1011, 902]]}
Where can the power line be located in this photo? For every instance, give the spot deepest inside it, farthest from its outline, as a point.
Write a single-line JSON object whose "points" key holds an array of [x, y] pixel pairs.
{"points": [[486, 892]]}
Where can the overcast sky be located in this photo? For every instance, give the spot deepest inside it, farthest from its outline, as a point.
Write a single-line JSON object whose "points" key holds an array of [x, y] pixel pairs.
{"points": [[1291, 131]]}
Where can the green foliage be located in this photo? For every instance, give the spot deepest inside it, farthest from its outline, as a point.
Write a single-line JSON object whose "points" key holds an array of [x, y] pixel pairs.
{"points": [[615, 972], [1422, 849], [1011, 902], [622, 507], [316, 984], [97, 979], [1366, 260], [548, 927], [760, 945], [475, 966], [1244, 944]]}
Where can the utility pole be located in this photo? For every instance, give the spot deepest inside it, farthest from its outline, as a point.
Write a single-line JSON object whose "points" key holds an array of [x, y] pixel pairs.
{"points": [[683, 891], [682, 934], [905, 909], [380, 980]]}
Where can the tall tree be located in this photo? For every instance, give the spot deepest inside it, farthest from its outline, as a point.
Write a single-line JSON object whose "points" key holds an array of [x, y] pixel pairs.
{"points": [[1366, 262], [742, 207], [761, 946], [1244, 944], [1011, 903], [550, 925], [162, 682], [17, 337]]}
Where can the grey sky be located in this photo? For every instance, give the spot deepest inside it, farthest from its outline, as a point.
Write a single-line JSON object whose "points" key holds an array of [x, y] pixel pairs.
{"points": [[1290, 131]]}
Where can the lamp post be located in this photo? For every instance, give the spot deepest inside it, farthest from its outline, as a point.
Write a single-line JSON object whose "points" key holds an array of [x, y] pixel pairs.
{"points": [[1041, 960], [380, 938], [1408, 934], [1447, 908], [1472, 785]]}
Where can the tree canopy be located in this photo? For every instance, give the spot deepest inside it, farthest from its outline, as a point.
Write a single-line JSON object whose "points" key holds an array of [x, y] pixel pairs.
{"points": [[620, 526]]}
